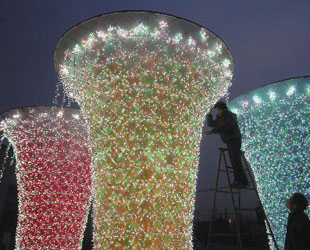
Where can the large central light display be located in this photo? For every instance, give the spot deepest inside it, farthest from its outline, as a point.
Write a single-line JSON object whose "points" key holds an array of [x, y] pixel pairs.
{"points": [[53, 170], [145, 82], [274, 122]]}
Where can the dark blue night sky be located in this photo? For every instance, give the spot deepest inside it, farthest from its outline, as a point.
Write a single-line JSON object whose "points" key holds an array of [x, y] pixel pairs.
{"points": [[269, 41]]}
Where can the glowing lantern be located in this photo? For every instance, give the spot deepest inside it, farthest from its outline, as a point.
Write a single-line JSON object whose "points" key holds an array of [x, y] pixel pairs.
{"points": [[144, 81]]}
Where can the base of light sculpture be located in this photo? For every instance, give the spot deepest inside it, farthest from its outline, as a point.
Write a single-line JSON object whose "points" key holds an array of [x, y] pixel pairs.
{"points": [[53, 175]]}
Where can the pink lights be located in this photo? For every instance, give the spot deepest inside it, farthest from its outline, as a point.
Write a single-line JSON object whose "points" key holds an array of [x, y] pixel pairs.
{"points": [[53, 174]]}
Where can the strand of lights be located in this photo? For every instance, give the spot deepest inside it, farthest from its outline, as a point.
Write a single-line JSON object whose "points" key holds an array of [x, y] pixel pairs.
{"points": [[5, 158], [145, 91], [3, 164], [276, 142], [53, 170]]}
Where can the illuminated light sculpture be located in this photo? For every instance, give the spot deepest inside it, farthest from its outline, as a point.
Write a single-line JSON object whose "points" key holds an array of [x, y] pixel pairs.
{"points": [[274, 122], [53, 171], [145, 82]]}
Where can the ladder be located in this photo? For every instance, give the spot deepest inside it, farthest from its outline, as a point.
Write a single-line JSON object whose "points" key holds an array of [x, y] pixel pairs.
{"points": [[235, 194]]}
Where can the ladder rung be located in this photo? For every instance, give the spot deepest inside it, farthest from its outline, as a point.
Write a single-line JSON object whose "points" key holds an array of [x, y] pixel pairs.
{"points": [[248, 188], [223, 188], [231, 235], [222, 213], [245, 209], [228, 192], [246, 169], [224, 149], [225, 171]]}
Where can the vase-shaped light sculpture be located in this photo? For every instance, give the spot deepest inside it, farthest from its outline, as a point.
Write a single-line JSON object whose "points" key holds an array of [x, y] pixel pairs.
{"points": [[274, 122], [53, 170], [144, 81]]}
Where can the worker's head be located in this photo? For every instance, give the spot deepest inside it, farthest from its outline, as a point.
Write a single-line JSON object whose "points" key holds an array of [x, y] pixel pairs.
{"points": [[220, 108], [298, 202]]}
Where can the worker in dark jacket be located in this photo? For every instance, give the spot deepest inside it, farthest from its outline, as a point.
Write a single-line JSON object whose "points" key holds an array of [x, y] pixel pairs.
{"points": [[226, 125], [298, 224]]}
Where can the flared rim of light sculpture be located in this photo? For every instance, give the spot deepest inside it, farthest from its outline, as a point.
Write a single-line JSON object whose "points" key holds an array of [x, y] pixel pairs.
{"points": [[9, 113], [133, 18], [267, 92]]}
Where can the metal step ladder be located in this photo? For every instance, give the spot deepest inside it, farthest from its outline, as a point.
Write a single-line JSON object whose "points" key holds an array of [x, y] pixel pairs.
{"points": [[235, 194]]}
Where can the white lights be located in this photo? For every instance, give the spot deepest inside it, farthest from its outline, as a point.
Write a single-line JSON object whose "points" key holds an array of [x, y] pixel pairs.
{"points": [[272, 95], [65, 70], [204, 34], [226, 62], [163, 24], [244, 104], [211, 53], [60, 113], [257, 99], [16, 116], [177, 38], [218, 47], [291, 90], [234, 110], [191, 42]]}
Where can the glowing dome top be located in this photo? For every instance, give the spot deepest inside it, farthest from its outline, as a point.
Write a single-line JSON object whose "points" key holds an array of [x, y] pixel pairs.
{"points": [[128, 20], [82, 41], [273, 93]]}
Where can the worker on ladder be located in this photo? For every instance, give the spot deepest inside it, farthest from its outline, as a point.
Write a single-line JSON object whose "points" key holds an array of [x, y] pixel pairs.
{"points": [[226, 124]]}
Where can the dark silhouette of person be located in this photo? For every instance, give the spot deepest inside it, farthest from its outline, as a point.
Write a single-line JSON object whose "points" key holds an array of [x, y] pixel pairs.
{"points": [[226, 124], [298, 224]]}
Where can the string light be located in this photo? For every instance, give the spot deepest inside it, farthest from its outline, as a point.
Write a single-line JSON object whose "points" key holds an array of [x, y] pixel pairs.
{"points": [[145, 91], [276, 143], [256, 99], [291, 90], [53, 173], [8, 156], [272, 95]]}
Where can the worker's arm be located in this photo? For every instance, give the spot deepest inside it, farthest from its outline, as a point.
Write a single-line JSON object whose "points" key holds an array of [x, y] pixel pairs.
{"points": [[211, 123], [227, 124]]}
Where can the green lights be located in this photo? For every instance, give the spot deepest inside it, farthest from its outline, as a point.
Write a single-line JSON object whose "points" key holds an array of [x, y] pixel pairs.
{"points": [[276, 141]]}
